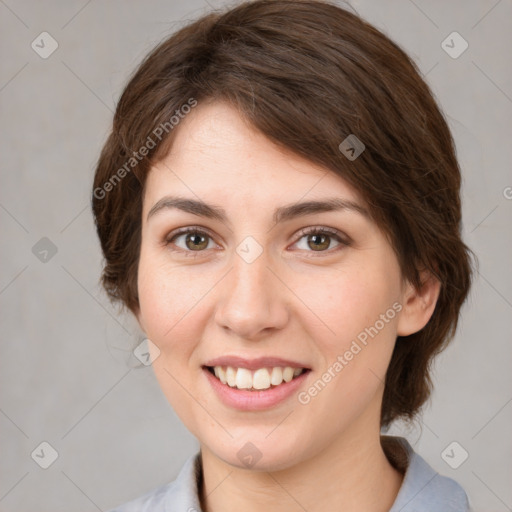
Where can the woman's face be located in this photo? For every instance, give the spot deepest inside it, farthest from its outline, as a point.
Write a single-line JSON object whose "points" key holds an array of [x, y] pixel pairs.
{"points": [[244, 284]]}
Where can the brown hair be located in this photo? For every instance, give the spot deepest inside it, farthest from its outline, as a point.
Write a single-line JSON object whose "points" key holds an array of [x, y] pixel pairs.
{"points": [[306, 74]]}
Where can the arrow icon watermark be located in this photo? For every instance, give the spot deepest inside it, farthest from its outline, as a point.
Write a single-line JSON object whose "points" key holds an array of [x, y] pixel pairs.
{"points": [[351, 147]]}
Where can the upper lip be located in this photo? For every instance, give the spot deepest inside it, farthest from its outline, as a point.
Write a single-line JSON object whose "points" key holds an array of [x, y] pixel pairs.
{"points": [[253, 364]]}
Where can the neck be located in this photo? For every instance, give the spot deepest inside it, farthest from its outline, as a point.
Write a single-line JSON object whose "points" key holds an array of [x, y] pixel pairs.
{"points": [[352, 476]]}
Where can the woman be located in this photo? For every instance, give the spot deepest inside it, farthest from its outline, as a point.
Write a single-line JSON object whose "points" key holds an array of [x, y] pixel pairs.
{"points": [[278, 204]]}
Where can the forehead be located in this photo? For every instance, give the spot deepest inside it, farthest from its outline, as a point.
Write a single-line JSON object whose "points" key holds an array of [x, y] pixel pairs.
{"points": [[216, 155]]}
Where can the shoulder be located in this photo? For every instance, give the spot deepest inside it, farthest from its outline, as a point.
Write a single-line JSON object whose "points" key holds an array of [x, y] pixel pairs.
{"points": [[180, 494], [424, 489]]}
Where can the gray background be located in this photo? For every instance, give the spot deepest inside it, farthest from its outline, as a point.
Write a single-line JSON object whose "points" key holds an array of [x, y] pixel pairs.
{"points": [[67, 375]]}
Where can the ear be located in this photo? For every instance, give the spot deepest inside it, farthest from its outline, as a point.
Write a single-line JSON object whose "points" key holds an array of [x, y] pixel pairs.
{"points": [[418, 305]]}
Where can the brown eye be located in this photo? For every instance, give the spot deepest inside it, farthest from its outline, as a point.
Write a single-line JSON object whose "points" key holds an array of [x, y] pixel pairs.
{"points": [[320, 240], [193, 240], [196, 241]]}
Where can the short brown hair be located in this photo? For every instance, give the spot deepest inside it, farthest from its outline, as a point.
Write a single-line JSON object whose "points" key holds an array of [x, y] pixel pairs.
{"points": [[306, 74]]}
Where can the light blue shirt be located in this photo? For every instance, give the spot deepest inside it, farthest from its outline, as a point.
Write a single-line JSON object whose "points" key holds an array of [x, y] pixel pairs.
{"points": [[422, 490]]}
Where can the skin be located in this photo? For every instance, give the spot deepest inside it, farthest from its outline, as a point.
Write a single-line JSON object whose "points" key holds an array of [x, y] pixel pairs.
{"points": [[293, 301]]}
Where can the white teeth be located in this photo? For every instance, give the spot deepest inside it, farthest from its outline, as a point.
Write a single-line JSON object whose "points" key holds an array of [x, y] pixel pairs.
{"points": [[288, 374], [221, 374], [243, 379], [277, 376], [231, 376], [263, 378]]}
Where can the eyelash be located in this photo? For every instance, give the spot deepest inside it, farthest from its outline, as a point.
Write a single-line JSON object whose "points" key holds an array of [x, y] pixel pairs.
{"points": [[343, 240]]}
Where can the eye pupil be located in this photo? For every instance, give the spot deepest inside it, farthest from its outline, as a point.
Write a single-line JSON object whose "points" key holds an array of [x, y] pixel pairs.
{"points": [[198, 241], [321, 244]]}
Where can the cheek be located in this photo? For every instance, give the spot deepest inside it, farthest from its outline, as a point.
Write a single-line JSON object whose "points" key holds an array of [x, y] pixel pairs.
{"points": [[351, 300], [168, 297], [169, 307], [356, 350], [356, 305]]}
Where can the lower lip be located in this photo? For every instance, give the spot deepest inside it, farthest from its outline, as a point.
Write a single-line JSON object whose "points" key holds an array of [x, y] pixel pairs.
{"points": [[245, 400]]}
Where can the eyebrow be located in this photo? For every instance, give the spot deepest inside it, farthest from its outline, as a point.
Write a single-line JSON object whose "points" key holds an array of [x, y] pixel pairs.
{"points": [[281, 214]]}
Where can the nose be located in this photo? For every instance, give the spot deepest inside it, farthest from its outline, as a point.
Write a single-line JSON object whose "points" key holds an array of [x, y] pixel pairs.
{"points": [[253, 299]]}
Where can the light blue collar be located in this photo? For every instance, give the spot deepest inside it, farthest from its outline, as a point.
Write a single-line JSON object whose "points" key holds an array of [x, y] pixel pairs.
{"points": [[422, 490]]}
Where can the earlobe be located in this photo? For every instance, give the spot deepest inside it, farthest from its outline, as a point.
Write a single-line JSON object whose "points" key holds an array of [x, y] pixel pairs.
{"points": [[418, 305]]}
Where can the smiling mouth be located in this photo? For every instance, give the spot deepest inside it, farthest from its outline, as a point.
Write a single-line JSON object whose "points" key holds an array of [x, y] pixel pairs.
{"points": [[258, 380]]}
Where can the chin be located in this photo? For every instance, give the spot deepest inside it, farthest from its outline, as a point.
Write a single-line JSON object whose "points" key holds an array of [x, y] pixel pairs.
{"points": [[259, 455]]}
